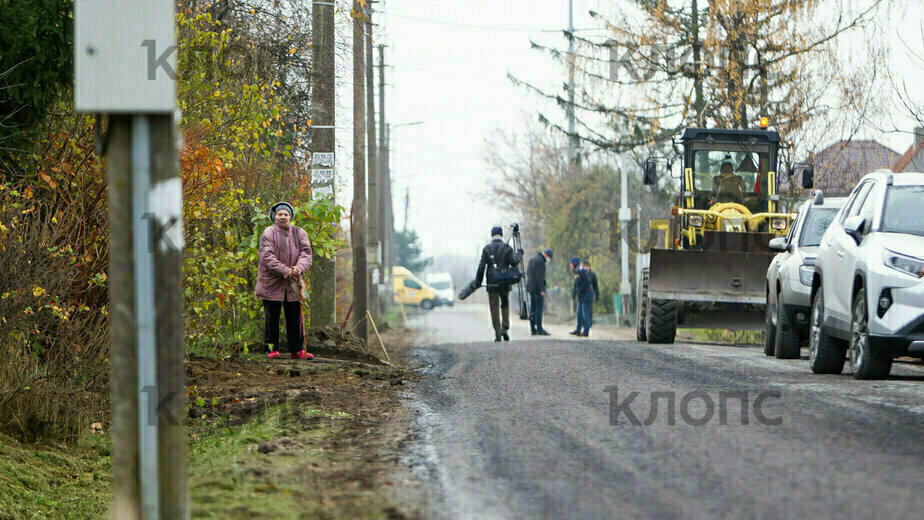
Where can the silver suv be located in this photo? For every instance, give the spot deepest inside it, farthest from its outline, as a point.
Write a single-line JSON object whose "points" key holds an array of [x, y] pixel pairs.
{"points": [[868, 284], [789, 277]]}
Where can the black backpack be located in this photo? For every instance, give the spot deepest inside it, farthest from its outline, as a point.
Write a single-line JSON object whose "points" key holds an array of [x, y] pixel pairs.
{"points": [[509, 275]]}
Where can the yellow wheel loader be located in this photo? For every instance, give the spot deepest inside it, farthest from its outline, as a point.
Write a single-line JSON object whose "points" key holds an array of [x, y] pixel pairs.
{"points": [[709, 260]]}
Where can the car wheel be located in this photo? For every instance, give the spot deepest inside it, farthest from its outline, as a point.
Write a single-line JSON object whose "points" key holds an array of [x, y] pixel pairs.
{"points": [[826, 353], [787, 337], [426, 305], [865, 362], [641, 332], [769, 330]]}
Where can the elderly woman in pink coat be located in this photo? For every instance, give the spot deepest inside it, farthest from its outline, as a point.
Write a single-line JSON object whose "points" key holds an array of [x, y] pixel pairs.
{"points": [[285, 256]]}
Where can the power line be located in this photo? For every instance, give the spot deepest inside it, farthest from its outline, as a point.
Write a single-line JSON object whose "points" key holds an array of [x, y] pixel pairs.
{"points": [[484, 27]]}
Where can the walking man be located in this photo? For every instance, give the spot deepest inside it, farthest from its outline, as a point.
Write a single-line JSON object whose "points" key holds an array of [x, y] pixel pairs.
{"points": [[584, 293], [498, 255], [596, 288], [535, 286]]}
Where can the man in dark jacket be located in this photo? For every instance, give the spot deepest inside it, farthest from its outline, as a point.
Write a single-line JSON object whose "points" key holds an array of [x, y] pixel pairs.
{"points": [[584, 292], [596, 288], [498, 295], [535, 286]]}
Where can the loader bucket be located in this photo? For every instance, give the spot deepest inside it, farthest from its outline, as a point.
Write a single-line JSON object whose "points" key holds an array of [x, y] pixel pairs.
{"points": [[709, 276]]}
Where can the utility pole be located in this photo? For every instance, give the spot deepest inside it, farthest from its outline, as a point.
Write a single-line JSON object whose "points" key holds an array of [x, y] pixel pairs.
{"points": [[373, 171], [360, 272], [385, 222], [573, 143], [112, 76], [323, 140], [407, 205]]}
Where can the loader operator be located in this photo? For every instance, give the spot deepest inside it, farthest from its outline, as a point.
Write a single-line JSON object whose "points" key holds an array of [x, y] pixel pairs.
{"points": [[727, 186]]}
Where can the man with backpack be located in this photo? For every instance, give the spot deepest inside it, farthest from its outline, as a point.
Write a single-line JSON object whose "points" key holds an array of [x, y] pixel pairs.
{"points": [[497, 260]]}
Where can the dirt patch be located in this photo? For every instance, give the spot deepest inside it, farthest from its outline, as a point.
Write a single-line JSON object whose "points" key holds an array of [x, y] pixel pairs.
{"points": [[319, 438]]}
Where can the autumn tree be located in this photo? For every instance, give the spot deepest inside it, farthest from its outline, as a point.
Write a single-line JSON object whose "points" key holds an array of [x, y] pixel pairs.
{"points": [[666, 65]]}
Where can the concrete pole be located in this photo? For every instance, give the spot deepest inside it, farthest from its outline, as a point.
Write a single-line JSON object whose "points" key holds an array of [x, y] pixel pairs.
{"points": [[360, 272], [385, 223], [573, 143], [323, 106], [374, 238], [625, 216]]}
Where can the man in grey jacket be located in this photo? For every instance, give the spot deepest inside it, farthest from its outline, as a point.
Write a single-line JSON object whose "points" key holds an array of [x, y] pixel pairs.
{"points": [[535, 286]]}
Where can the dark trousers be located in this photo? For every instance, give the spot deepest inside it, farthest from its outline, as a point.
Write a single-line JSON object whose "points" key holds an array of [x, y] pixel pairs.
{"points": [[271, 312], [583, 316], [536, 305], [499, 302]]}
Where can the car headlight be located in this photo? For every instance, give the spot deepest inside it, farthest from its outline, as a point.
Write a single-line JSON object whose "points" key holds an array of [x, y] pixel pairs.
{"points": [[778, 223], [696, 220], [905, 264], [805, 274]]}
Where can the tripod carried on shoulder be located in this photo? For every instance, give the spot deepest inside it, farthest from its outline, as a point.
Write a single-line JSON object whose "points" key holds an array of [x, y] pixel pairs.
{"points": [[517, 244]]}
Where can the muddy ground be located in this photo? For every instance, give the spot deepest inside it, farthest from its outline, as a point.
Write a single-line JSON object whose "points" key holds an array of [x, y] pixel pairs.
{"points": [[330, 445]]}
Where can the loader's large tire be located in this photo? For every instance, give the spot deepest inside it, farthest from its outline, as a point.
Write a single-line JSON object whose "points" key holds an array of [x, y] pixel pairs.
{"points": [[662, 321], [641, 308], [788, 342]]}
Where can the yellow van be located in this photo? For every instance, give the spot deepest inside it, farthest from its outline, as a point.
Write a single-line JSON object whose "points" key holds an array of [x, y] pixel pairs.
{"points": [[410, 290]]}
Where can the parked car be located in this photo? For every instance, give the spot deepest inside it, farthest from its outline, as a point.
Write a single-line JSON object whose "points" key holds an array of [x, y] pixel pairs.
{"points": [[410, 290], [442, 284], [868, 284], [789, 277]]}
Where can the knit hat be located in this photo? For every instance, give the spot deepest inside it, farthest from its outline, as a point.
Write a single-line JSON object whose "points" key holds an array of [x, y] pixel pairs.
{"points": [[575, 261], [281, 205], [497, 230], [548, 251]]}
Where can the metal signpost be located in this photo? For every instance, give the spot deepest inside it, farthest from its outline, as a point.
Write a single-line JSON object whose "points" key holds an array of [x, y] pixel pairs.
{"points": [[125, 67]]}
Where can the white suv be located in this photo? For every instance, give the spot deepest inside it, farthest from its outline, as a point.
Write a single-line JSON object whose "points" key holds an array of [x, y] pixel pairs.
{"points": [[868, 284], [789, 277]]}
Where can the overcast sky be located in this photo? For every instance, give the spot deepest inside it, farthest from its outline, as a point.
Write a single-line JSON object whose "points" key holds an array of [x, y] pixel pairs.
{"points": [[448, 68]]}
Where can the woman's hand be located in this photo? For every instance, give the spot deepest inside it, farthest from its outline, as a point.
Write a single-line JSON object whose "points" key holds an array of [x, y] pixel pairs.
{"points": [[295, 271], [289, 272]]}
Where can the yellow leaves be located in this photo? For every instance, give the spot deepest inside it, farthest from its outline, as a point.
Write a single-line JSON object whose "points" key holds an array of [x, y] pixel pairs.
{"points": [[27, 193], [309, 122], [48, 180], [38, 291], [217, 93], [292, 51]]}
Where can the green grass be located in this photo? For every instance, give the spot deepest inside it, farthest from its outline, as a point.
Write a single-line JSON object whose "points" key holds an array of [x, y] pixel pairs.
{"points": [[739, 337], [40, 481], [228, 477]]}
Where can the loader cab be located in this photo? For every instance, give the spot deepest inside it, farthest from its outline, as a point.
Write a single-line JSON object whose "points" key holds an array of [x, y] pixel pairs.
{"points": [[729, 166]]}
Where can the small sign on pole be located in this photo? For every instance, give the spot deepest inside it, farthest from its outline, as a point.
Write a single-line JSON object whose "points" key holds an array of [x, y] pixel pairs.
{"points": [[124, 56]]}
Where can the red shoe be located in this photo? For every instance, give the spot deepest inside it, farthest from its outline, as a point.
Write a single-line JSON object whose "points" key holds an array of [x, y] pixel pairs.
{"points": [[273, 355], [301, 354]]}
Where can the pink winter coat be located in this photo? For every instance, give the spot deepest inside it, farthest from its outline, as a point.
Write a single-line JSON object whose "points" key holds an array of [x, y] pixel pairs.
{"points": [[280, 249]]}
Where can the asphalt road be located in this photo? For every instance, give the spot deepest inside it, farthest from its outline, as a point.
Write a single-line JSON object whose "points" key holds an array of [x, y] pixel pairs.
{"points": [[523, 430]]}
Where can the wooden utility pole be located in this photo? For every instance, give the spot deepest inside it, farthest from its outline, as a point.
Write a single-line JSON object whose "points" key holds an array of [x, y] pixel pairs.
{"points": [[123, 350], [323, 104], [168, 317], [360, 272], [375, 239]]}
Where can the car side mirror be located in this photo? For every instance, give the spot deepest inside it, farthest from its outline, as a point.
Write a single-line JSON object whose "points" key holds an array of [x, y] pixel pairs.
{"points": [[853, 226], [651, 173], [808, 177], [779, 245]]}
